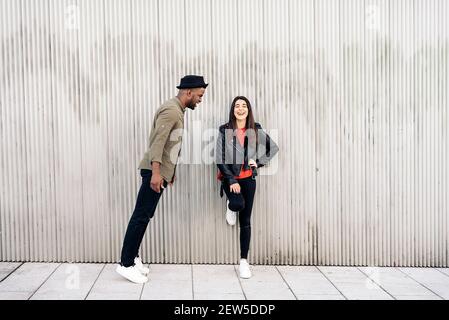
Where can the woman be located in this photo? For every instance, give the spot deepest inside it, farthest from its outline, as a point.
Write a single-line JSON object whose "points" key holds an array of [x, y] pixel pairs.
{"points": [[242, 147]]}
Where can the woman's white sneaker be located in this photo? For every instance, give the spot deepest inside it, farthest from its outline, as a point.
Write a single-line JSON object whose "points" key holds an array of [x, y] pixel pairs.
{"points": [[132, 274], [139, 265], [231, 216], [244, 270]]}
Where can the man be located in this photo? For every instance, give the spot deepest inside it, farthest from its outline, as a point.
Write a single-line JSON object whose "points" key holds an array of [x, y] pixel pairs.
{"points": [[157, 169]]}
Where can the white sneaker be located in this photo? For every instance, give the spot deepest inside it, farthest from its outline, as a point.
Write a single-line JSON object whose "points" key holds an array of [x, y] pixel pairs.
{"points": [[132, 274], [244, 270], [139, 265], [231, 216]]}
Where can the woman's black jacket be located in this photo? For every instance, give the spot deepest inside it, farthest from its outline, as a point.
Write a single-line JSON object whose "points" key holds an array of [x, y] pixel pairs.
{"points": [[230, 155]]}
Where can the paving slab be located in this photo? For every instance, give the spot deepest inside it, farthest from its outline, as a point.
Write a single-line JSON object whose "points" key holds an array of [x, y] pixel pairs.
{"points": [[353, 284], [6, 268], [69, 282], [321, 297], [218, 296], [180, 272], [426, 297], [432, 279], [169, 282], [308, 281], [444, 270], [112, 286], [395, 282], [217, 282], [27, 279], [13, 295], [265, 284]]}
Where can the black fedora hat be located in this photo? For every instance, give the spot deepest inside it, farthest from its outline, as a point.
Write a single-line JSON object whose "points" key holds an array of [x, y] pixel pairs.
{"points": [[192, 81]]}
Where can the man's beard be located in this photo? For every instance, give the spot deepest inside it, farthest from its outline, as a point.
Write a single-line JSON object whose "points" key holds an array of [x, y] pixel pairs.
{"points": [[191, 105]]}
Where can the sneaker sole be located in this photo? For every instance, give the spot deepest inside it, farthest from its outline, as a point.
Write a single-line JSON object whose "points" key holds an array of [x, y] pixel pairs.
{"points": [[137, 282], [145, 273]]}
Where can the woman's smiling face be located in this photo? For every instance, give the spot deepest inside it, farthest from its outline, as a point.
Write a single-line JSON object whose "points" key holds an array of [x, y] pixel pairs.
{"points": [[240, 110]]}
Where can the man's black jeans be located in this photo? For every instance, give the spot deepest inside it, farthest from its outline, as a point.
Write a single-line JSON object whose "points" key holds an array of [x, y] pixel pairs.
{"points": [[146, 204]]}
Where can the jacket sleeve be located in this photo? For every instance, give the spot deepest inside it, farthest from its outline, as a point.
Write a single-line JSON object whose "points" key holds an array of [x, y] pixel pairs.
{"points": [[220, 158], [267, 148], [164, 123]]}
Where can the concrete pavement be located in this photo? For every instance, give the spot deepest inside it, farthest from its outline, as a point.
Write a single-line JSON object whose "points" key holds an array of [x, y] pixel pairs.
{"points": [[55, 281]]}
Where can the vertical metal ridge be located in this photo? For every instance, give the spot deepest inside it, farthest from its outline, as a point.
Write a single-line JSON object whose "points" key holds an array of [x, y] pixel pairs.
{"points": [[444, 195]]}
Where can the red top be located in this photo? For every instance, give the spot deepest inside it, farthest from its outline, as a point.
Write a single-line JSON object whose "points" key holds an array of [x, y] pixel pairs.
{"points": [[241, 139], [243, 173]]}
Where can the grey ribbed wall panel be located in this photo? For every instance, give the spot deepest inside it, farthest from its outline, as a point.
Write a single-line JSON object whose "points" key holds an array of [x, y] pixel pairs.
{"points": [[354, 92]]}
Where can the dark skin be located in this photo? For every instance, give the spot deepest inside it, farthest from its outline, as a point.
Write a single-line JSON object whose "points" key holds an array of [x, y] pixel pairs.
{"points": [[189, 99]]}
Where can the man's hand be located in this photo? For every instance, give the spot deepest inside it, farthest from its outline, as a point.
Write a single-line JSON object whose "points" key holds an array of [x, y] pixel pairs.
{"points": [[235, 188], [157, 182]]}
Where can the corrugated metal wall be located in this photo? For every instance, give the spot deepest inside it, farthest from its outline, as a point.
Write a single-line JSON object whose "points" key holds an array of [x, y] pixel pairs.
{"points": [[354, 92]]}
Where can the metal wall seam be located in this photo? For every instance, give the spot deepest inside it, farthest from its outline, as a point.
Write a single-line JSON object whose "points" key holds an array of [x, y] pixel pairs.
{"points": [[444, 88]]}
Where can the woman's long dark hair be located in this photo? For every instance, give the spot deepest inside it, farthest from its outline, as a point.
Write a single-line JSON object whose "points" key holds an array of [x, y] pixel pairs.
{"points": [[250, 123]]}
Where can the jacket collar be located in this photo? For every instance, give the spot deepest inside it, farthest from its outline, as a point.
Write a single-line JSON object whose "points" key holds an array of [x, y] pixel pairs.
{"points": [[178, 103]]}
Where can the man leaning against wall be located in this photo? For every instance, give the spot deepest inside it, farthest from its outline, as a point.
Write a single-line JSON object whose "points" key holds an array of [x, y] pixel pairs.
{"points": [[157, 169]]}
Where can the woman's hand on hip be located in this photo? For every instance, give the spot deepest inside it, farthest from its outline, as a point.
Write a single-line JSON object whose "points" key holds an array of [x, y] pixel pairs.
{"points": [[252, 163], [235, 188]]}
